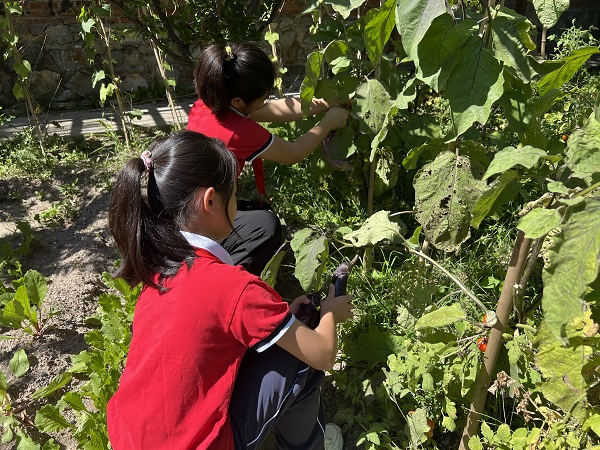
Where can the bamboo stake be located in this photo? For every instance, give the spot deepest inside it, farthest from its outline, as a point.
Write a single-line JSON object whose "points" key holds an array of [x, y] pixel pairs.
{"points": [[504, 308]]}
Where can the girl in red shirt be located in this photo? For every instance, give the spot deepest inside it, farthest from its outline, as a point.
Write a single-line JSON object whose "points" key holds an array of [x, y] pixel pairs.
{"points": [[233, 84], [217, 360]]}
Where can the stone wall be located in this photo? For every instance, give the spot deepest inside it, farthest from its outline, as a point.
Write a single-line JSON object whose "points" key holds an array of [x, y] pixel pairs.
{"points": [[61, 74], [61, 77]]}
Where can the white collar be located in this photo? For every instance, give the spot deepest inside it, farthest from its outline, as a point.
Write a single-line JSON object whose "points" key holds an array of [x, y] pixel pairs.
{"points": [[236, 111], [205, 243]]}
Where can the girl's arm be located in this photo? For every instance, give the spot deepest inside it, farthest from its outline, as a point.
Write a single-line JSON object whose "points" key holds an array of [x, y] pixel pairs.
{"points": [[282, 151], [318, 347], [288, 109]]}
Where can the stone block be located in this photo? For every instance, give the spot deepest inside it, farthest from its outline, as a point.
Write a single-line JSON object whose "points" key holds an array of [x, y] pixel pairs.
{"points": [[133, 82], [43, 85]]}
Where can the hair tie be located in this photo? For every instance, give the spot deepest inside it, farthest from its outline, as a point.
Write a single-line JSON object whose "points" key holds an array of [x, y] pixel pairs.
{"points": [[230, 54], [147, 158]]}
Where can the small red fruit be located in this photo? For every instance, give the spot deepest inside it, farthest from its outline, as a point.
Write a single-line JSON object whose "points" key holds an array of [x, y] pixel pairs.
{"points": [[431, 424], [482, 343], [484, 318], [564, 137]]}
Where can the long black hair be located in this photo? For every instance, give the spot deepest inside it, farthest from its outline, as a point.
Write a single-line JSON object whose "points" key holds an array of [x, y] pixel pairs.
{"points": [[146, 228], [239, 70]]}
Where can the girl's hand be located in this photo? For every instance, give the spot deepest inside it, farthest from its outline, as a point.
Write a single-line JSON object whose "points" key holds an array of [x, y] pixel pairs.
{"points": [[336, 117], [341, 306], [295, 305]]}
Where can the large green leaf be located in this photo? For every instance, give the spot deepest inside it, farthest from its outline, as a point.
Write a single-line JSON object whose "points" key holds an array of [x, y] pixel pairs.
{"points": [[312, 72], [311, 253], [436, 53], [371, 105], [574, 261], [373, 347], [538, 222], [55, 384], [379, 23], [583, 149], [474, 84], [548, 11], [512, 43], [336, 49], [376, 229], [564, 384], [344, 7], [445, 192], [442, 317], [557, 78], [498, 193], [509, 157], [413, 18]]}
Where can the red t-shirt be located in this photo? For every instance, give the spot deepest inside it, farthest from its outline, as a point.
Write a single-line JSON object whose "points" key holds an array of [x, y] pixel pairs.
{"points": [[244, 137], [185, 354]]}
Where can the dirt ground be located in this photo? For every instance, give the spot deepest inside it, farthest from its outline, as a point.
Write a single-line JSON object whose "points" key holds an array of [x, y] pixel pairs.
{"points": [[72, 257]]}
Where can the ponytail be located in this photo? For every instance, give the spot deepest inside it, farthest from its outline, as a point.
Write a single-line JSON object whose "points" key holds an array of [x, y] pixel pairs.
{"points": [[146, 229], [238, 70]]}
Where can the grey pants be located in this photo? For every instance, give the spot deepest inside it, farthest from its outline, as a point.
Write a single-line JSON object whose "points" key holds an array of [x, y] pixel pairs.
{"points": [[274, 391]]}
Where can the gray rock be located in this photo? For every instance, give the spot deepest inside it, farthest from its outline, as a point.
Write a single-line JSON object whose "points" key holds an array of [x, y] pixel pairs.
{"points": [[133, 82], [43, 85]]}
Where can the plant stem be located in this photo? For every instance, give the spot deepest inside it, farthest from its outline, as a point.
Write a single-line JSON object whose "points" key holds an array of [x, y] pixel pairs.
{"points": [[504, 308]]}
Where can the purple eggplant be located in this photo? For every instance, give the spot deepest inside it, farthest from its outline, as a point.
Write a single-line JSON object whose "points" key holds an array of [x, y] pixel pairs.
{"points": [[336, 164], [309, 313], [340, 276]]}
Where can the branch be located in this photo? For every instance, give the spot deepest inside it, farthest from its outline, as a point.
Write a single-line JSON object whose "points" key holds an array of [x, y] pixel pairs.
{"points": [[165, 20]]}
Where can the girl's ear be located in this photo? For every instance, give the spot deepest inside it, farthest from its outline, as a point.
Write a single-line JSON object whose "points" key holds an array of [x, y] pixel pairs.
{"points": [[238, 103], [206, 199]]}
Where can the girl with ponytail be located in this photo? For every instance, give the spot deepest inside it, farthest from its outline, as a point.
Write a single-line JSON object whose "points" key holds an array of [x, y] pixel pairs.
{"points": [[233, 83], [217, 360]]}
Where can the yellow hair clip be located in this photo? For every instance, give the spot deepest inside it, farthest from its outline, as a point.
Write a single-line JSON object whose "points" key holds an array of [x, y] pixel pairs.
{"points": [[229, 53]]}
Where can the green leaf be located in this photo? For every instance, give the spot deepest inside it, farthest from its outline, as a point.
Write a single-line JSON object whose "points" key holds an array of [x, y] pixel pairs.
{"points": [[18, 90], [57, 382], [509, 157], [474, 84], [548, 11], [3, 383], [511, 43], [408, 95], [445, 192], [49, 419], [539, 222], [371, 105], [376, 229], [342, 144], [311, 254], [574, 261], [379, 23], [37, 286], [557, 78], [487, 432], [442, 317], [413, 19], [583, 149], [312, 72], [106, 91], [374, 347], [23, 69], [344, 7], [269, 273], [436, 53], [503, 433], [87, 25], [18, 309], [475, 443], [502, 190], [19, 363], [24, 441], [431, 149], [50, 445], [336, 49], [561, 367]]}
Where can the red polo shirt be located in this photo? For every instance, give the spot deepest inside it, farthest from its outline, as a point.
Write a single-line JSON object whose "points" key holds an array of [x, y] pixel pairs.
{"points": [[185, 354], [244, 137]]}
